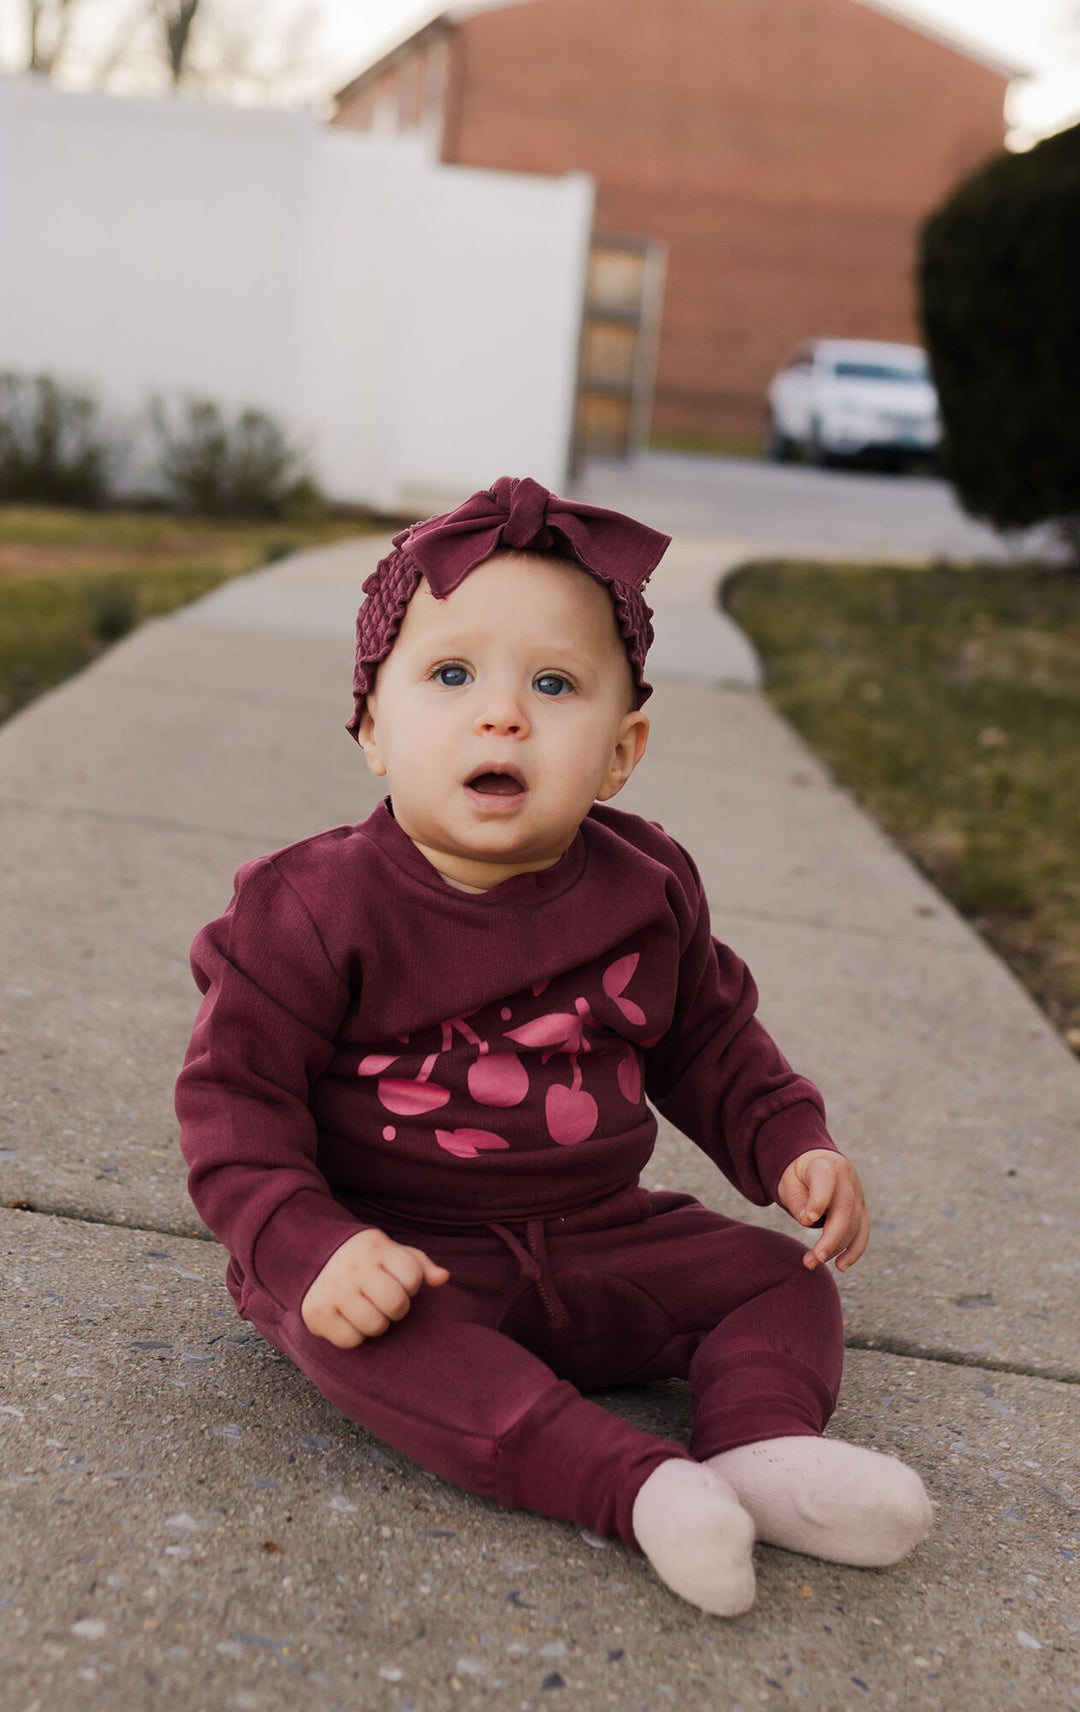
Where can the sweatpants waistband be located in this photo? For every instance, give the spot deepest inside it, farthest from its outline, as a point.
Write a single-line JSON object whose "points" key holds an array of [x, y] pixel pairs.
{"points": [[625, 1206]]}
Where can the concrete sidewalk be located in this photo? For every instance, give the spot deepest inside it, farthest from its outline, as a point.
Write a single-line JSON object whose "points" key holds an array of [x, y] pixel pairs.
{"points": [[190, 1526]]}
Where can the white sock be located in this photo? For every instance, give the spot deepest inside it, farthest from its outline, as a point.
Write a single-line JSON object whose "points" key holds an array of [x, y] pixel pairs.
{"points": [[697, 1536], [828, 1499]]}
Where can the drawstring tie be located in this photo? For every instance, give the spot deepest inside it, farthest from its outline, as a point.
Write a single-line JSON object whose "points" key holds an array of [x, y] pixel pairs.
{"points": [[536, 1268]]}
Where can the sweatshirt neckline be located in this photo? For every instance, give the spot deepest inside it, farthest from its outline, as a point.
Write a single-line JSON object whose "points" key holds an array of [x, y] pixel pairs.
{"points": [[519, 890]]}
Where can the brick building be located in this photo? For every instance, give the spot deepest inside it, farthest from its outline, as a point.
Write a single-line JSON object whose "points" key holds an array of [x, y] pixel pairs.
{"points": [[784, 153]]}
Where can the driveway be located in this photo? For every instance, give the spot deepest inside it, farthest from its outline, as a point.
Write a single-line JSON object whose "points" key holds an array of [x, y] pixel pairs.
{"points": [[792, 508]]}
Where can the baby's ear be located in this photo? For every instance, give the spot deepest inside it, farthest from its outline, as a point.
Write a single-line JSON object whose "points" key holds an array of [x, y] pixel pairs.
{"points": [[368, 741], [629, 748]]}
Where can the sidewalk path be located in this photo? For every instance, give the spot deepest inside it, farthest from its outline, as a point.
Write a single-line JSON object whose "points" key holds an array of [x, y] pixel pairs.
{"points": [[792, 510], [191, 1527]]}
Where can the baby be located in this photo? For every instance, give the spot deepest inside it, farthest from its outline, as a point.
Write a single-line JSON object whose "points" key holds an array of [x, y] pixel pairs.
{"points": [[414, 1104]]}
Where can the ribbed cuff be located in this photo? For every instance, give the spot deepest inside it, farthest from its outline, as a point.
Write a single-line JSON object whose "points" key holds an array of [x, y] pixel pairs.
{"points": [[295, 1245], [782, 1138]]}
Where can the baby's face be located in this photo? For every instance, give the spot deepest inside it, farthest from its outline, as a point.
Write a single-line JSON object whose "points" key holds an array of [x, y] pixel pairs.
{"points": [[501, 715]]}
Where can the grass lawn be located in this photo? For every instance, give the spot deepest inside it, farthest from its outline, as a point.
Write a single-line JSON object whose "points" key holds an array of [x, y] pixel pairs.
{"points": [[710, 445], [948, 701], [72, 582]]}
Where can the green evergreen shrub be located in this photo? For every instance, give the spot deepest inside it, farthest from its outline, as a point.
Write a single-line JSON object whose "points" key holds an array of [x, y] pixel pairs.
{"points": [[242, 466], [999, 284], [52, 448]]}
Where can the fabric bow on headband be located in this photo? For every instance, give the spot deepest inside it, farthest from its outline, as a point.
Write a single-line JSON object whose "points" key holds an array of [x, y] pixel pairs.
{"points": [[524, 515], [518, 515]]}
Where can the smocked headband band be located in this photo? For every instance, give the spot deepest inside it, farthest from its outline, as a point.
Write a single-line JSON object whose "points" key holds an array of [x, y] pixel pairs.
{"points": [[514, 514]]}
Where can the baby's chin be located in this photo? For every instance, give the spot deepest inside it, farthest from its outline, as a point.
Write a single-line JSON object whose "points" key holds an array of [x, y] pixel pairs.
{"points": [[485, 860]]}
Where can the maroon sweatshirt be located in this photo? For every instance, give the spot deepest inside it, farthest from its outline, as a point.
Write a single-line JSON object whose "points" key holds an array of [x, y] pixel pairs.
{"points": [[376, 1045]]}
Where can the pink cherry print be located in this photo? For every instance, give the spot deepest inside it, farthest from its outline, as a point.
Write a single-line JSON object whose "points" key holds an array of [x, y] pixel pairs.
{"points": [[494, 1080], [571, 1114], [410, 1098], [498, 1079], [629, 1077], [469, 1143], [558, 1028], [374, 1064], [620, 973], [463, 1028], [618, 976]]}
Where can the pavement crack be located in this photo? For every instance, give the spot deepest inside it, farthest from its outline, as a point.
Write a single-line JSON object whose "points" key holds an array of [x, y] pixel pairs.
{"points": [[872, 1345], [113, 817], [79, 1216], [961, 1358], [821, 924]]}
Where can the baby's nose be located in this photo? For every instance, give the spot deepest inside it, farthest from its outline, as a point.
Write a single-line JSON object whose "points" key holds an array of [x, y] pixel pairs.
{"points": [[503, 715]]}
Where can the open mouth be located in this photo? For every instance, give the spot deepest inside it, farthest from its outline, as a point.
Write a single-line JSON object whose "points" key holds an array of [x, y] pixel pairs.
{"points": [[496, 783]]}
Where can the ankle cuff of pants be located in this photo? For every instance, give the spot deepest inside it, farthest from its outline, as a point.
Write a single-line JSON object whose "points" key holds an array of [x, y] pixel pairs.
{"points": [[572, 1460], [751, 1395]]}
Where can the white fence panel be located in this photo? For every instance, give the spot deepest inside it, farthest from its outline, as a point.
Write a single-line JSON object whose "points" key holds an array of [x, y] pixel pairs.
{"points": [[416, 325]]}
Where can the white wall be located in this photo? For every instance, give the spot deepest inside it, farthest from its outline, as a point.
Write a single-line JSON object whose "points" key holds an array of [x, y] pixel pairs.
{"points": [[416, 325]]}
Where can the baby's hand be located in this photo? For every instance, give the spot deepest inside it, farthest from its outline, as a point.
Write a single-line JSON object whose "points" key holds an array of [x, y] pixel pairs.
{"points": [[823, 1182], [365, 1285]]}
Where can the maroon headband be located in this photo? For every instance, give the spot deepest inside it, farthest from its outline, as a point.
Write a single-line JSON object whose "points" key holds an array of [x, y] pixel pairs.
{"points": [[524, 516]]}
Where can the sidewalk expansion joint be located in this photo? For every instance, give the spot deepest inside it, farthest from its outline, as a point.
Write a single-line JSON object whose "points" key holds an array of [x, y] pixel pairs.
{"points": [[858, 930], [961, 1358], [872, 1345], [79, 1216], [157, 823]]}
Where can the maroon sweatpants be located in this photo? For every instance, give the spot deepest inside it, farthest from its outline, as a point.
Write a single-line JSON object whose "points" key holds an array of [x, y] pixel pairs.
{"points": [[481, 1381]]}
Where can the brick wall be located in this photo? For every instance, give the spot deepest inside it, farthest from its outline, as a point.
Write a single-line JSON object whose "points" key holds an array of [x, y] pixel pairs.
{"points": [[785, 151]]}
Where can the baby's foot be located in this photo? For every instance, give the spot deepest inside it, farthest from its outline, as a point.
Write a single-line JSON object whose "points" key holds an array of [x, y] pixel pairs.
{"points": [[697, 1536], [829, 1499]]}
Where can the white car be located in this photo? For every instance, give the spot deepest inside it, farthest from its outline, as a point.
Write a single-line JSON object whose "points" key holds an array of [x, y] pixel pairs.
{"points": [[854, 398]]}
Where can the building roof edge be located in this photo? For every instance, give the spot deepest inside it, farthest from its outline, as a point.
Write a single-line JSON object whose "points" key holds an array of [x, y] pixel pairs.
{"points": [[393, 44], [900, 12], [950, 37]]}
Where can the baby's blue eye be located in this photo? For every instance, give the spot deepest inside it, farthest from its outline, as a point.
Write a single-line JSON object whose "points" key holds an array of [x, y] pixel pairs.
{"points": [[451, 677], [552, 684]]}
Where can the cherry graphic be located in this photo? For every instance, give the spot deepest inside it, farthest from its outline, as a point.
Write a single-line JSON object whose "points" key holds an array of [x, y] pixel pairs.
{"points": [[558, 1029], [618, 976], [375, 1064], [408, 1098], [571, 1113], [495, 1079], [469, 1143], [629, 1077], [498, 1078]]}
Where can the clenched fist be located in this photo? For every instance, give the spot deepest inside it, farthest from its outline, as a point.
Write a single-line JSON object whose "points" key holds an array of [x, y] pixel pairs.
{"points": [[367, 1284]]}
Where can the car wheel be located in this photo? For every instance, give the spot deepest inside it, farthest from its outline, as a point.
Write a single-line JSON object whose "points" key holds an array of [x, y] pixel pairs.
{"points": [[816, 454], [779, 447]]}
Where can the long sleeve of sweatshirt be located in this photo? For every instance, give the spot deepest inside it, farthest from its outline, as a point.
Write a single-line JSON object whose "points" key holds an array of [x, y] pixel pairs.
{"points": [[258, 1045], [719, 1076]]}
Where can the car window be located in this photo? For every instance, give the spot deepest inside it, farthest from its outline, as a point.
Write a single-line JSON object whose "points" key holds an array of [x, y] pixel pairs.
{"points": [[847, 370]]}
